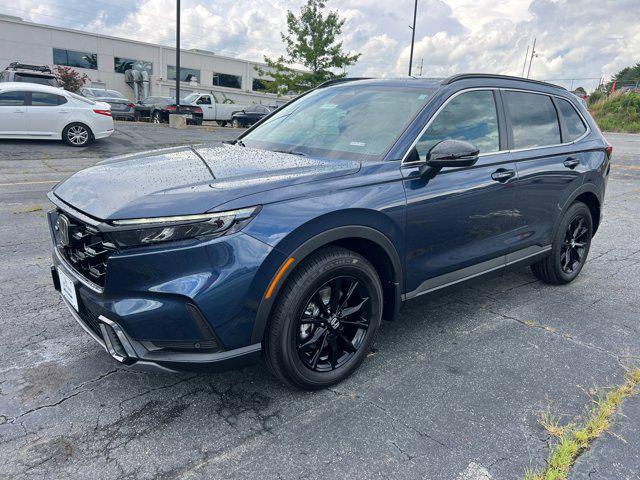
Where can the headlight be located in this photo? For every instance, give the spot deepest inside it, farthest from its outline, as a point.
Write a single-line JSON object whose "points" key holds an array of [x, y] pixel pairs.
{"points": [[145, 231]]}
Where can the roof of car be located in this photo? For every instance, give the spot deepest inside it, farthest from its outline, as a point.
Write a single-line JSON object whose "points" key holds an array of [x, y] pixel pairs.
{"points": [[36, 87], [438, 82]]}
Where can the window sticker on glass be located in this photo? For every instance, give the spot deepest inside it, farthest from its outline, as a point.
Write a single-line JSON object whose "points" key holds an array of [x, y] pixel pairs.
{"points": [[328, 106], [423, 96], [357, 144]]}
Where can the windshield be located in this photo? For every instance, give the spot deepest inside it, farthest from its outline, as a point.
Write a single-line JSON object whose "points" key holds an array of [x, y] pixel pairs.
{"points": [[82, 99], [343, 122], [39, 79], [109, 94]]}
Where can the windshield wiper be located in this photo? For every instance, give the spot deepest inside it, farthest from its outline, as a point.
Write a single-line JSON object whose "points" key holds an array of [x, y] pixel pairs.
{"points": [[234, 142], [291, 152]]}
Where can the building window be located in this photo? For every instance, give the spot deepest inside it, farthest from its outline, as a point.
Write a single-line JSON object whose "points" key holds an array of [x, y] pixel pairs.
{"points": [[72, 58], [121, 65], [186, 74], [226, 80], [260, 84]]}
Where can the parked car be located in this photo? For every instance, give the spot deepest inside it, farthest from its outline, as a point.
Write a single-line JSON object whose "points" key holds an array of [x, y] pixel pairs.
{"points": [[294, 242], [34, 111], [21, 72], [158, 109], [250, 115], [212, 108], [121, 107]]}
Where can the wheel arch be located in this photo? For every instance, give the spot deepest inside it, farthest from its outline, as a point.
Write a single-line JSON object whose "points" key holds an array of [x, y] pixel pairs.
{"points": [[369, 242], [590, 196]]}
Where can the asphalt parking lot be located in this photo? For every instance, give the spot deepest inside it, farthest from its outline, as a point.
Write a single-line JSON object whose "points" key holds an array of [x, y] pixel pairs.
{"points": [[453, 389]]}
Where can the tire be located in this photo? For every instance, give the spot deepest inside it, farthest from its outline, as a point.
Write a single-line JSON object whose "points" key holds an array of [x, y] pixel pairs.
{"points": [[156, 117], [570, 247], [327, 348], [235, 123], [77, 135]]}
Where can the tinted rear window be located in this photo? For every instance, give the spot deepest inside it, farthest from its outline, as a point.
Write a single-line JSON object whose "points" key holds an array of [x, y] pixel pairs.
{"points": [[11, 99], [40, 99], [575, 126], [533, 119]]}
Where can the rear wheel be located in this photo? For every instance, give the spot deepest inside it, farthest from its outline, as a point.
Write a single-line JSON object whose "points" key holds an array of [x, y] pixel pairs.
{"points": [[235, 123], [77, 135], [325, 319], [570, 247], [156, 118]]}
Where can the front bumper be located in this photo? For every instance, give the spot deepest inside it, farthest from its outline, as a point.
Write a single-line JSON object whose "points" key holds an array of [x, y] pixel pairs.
{"points": [[114, 339]]}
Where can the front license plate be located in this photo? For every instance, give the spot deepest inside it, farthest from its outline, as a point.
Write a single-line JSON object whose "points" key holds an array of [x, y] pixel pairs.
{"points": [[68, 289]]}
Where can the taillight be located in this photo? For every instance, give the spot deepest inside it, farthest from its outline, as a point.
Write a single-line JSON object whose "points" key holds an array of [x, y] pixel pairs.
{"points": [[172, 108], [197, 110], [106, 113], [609, 150], [130, 105]]}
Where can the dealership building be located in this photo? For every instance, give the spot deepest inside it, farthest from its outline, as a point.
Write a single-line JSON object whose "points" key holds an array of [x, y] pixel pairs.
{"points": [[105, 60]]}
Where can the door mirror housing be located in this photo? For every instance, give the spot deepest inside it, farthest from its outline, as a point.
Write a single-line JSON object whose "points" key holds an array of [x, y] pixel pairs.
{"points": [[449, 153]]}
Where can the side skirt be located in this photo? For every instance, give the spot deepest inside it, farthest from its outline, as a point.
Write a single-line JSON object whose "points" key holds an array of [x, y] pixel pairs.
{"points": [[493, 267]]}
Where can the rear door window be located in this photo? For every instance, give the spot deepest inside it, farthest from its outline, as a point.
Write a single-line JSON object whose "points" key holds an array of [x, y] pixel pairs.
{"points": [[575, 127], [12, 99], [534, 120], [471, 117], [40, 99]]}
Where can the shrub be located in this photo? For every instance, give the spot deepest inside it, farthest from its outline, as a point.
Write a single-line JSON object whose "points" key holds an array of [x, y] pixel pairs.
{"points": [[595, 97], [618, 113], [70, 79]]}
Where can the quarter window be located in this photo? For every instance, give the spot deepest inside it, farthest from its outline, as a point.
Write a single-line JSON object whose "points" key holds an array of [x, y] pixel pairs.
{"points": [[12, 99], [204, 101], [39, 99], [533, 119], [72, 58], [471, 117], [575, 126]]}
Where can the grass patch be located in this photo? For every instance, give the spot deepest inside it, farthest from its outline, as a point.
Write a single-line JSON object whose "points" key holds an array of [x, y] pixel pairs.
{"points": [[573, 440], [31, 209], [618, 113]]}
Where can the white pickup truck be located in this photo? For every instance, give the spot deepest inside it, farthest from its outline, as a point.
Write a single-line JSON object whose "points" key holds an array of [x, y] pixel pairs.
{"points": [[212, 109]]}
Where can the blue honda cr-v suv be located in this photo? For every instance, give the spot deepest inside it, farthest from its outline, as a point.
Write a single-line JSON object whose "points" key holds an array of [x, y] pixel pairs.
{"points": [[294, 241]]}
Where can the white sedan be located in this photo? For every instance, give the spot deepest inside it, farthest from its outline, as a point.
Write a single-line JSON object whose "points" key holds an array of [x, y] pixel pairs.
{"points": [[33, 111]]}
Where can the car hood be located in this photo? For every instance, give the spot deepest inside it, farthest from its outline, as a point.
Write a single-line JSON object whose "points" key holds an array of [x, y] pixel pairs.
{"points": [[188, 180]]}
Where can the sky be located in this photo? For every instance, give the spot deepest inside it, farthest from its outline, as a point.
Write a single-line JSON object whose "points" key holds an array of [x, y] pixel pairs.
{"points": [[576, 39]]}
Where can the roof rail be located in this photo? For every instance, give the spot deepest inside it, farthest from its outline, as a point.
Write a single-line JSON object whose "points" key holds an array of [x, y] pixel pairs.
{"points": [[336, 81], [35, 68], [466, 76]]}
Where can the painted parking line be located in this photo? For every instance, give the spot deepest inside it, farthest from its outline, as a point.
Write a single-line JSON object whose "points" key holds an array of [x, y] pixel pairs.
{"points": [[625, 167], [39, 182]]}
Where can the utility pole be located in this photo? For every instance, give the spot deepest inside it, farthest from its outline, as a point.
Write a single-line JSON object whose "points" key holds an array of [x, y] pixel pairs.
{"points": [[533, 53], [413, 35], [526, 55], [178, 56], [421, 65]]}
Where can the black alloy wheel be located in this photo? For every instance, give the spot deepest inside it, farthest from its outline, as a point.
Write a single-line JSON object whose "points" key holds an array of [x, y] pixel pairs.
{"points": [[324, 319], [333, 324], [569, 249], [574, 245]]}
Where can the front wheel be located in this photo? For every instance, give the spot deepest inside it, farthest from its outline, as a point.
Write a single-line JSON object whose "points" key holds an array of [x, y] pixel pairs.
{"points": [[156, 118], [77, 135], [325, 319], [570, 247], [235, 123]]}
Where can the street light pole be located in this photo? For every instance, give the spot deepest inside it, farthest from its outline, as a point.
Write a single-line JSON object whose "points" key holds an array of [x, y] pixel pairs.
{"points": [[413, 35], [526, 56], [178, 55], [533, 54]]}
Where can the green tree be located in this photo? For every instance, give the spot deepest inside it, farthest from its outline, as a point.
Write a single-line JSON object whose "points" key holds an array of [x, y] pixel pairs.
{"points": [[312, 41], [625, 76]]}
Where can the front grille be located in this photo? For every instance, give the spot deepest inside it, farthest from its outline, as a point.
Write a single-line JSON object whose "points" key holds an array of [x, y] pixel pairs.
{"points": [[83, 247]]}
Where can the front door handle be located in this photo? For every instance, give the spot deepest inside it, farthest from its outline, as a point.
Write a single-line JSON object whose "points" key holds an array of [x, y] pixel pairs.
{"points": [[571, 162], [502, 175], [18, 111], [63, 111]]}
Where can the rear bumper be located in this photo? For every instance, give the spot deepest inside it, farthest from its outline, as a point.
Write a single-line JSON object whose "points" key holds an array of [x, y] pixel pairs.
{"points": [[114, 340], [103, 134]]}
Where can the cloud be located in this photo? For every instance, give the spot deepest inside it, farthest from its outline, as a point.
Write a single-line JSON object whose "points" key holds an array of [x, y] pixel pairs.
{"points": [[586, 39]]}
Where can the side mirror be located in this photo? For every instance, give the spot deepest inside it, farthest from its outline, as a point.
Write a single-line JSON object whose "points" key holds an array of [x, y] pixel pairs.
{"points": [[449, 153]]}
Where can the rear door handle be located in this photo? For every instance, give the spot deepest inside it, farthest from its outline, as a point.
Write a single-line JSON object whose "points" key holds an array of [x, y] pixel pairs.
{"points": [[18, 111], [502, 175], [571, 162], [63, 111]]}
